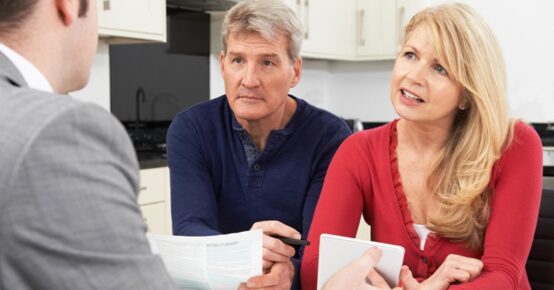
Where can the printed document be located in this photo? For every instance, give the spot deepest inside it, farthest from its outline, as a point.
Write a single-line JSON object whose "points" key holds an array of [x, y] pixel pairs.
{"points": [[213, 262]]}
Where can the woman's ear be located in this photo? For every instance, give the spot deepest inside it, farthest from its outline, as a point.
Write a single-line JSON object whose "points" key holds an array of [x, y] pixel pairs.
{"points": [[464, 102]]}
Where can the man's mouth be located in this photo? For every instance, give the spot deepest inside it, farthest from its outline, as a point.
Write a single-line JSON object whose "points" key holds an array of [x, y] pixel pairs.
{"points": [[411, 96]]}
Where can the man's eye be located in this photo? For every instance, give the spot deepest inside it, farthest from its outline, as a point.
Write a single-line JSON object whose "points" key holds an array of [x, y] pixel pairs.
{"points": [[267, 62], [236, 60]]}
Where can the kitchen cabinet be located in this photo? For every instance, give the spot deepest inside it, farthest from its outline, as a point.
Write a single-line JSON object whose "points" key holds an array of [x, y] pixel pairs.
{"points": [[154, 200], [132, 20], [354, 30]]}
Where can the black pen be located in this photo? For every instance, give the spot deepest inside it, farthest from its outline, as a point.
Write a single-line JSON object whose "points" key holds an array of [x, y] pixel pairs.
{"points": [[291, 241]]}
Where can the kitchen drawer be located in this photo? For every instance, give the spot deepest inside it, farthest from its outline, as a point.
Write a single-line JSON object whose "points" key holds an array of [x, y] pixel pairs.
{"points": [[153, 185], [154, 216]]}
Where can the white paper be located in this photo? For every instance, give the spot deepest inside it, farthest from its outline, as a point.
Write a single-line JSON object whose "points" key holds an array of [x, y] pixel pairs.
{"points": [[213, 262]]}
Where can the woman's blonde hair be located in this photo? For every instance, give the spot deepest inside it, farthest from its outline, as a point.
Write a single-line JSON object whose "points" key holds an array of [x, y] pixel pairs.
{"points": [[460, 177]]}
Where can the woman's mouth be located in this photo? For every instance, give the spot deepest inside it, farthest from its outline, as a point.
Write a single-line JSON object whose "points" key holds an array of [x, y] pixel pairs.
{"points": [[411, 96]]}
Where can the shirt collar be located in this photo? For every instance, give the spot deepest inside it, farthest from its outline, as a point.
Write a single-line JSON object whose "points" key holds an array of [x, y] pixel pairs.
{"points": [[33, 77]]}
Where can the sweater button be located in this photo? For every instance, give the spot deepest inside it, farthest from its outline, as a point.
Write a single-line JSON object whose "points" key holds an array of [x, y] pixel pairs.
{"points": [[424, 260], [256, 167]]}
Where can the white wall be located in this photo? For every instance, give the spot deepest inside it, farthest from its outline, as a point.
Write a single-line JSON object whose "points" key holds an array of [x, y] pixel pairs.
{"points": [[360, 90]]}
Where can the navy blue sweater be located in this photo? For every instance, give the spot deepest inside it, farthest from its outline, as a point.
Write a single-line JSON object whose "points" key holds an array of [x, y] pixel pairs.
{"points": [[215, 190]]}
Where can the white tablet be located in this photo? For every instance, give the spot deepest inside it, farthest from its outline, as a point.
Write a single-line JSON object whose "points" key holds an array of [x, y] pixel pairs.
{"points": [[336, 252]]}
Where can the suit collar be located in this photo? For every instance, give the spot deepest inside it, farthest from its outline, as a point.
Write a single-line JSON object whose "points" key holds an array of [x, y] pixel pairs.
{"points": [[10, 73]]}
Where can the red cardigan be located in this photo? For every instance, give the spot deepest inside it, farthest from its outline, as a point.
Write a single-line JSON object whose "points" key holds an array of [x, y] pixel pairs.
{"points": [[363, 178]]}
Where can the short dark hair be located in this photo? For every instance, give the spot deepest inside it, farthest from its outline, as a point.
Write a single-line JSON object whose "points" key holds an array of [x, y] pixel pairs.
{"points": [[14, 12]]}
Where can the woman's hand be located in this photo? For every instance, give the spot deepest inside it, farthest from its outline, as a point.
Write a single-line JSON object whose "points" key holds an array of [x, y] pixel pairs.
{"points": [[455, 268]]}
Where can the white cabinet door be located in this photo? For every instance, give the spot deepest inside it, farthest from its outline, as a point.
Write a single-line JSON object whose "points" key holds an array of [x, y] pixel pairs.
{"points": [[354, 29], [154, 199], [328, 28], [377, 35], [155, 216], [132, 19], [406, 9]]}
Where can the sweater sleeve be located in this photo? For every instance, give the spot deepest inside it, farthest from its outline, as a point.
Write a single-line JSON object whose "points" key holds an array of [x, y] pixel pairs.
{"points": [[193, 199], [335, 134], [514, 213], [340, 204]]}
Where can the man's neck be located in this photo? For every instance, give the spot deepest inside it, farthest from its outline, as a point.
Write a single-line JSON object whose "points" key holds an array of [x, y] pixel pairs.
{"points": [[259, 130], [32, 47]]}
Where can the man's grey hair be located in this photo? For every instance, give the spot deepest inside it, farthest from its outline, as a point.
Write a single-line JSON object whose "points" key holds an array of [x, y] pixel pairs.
{"points": [[269, 18]]}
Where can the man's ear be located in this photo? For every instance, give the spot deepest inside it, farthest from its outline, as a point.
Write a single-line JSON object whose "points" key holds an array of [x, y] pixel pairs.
{"points": [[221, 61], [67, 10], [297, 67]]}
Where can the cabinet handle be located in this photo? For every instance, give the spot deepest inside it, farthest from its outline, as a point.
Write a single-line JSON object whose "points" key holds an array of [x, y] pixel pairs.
{"points": [[361, 17], [142, 188], [306, 19], [399, 26], [106, 5]]}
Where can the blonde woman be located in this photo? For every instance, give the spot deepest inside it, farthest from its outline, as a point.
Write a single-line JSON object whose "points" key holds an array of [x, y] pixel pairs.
{"points": [[454, 180]]}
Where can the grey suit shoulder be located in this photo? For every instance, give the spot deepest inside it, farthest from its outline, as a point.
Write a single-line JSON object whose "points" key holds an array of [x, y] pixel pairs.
{"points": [[68, 212]]}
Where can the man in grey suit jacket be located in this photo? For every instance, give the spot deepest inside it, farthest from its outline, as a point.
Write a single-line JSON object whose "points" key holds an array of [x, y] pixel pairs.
{"points": [[68, 174], [69, 218]]}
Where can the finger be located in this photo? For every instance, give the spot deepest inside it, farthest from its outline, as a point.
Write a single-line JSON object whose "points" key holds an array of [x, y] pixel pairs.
{"points": [[276, 250], [242, 286], [371, 257], [407, 279], [354, 275], [359, 268], [278, 228], [377, 280], [470, 265], [266, 265], [279, 276], [464, 260]]}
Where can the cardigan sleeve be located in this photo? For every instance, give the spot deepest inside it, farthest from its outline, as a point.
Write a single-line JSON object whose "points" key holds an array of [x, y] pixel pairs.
{"points": [[339, 207], [514, 213]]}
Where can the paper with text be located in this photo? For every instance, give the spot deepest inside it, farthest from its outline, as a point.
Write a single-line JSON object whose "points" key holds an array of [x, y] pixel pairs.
{"points": [[212, 262]]}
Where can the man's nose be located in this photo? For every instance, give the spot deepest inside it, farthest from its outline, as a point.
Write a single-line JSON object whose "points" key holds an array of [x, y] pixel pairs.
{"points": [[250, 78]]}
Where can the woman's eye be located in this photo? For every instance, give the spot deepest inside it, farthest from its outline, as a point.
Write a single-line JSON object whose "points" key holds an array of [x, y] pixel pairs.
{"points": [[409, 55], [439, 68]]}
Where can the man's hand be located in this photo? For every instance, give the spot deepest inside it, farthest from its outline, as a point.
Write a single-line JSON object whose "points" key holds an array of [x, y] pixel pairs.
{"points": [[279, 277], [274, 250], [454, 268]]}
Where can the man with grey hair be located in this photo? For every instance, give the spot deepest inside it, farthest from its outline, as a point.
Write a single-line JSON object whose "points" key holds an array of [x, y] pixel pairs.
{"points": [[255, 157]]}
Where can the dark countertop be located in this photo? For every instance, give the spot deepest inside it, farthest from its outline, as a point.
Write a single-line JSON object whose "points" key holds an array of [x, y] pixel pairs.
{"points": [[149, 160], [152, 163]]}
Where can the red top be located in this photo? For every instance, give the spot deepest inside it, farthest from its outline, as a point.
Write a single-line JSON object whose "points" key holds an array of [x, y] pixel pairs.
{"points": [[363, 178]]}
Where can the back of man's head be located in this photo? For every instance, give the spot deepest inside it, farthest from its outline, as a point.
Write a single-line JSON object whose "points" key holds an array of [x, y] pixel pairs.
{"points": [[49, 33], [13, 13]]}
